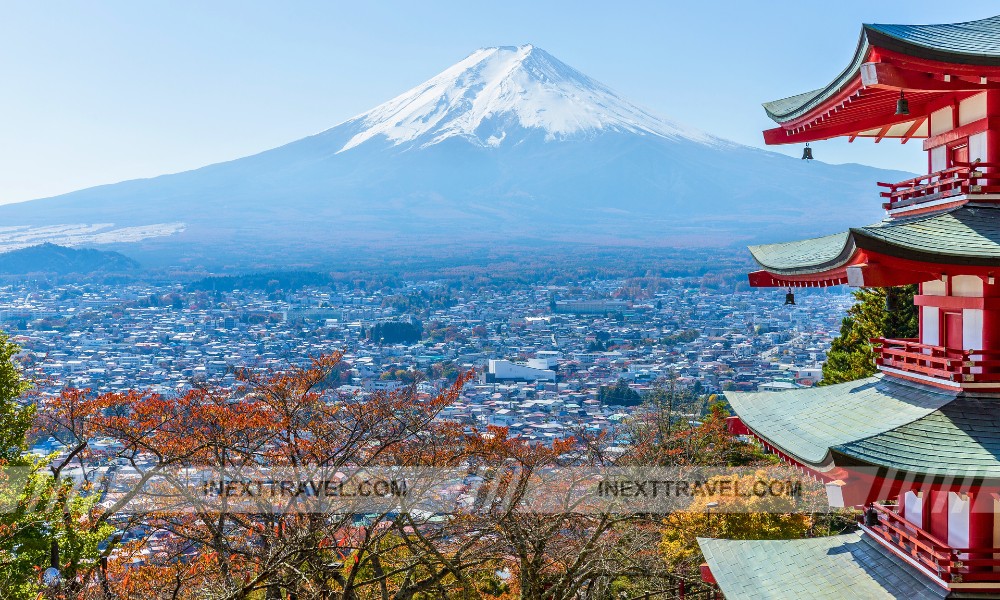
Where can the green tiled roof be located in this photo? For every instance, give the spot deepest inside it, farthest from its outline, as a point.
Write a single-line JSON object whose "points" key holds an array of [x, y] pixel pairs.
{"points": [[784, 106], [973, 43], [967, 235], [960, 439], [834, 568], [809, 256], [806, 423], [793, 107]]}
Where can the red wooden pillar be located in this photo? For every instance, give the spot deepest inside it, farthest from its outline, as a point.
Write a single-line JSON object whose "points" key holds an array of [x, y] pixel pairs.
{"points": [[925, 510], [981, 526], [951, 330], [920, 316], [991, 316], [992, 137], [936, 514], [992, 133]]}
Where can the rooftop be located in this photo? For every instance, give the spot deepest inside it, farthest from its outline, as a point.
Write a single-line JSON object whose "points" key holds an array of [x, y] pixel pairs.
{"points": [[834, 567], [925, 60], [968, 235], [882, 422], [850, 412]]}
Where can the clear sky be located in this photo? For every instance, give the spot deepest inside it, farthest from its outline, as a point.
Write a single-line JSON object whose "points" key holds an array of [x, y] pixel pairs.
{"points": [[98, 92]]}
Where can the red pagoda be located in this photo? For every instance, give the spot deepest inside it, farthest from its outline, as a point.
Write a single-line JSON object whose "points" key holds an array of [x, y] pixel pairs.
{"points": [[917, 446]]}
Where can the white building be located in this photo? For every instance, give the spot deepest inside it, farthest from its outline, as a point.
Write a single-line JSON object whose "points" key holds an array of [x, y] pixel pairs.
{"points": [[505, 370]]}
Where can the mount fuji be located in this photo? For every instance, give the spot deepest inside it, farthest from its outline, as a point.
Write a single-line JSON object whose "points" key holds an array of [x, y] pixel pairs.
{"points": [[509, 146], [515, 91]]}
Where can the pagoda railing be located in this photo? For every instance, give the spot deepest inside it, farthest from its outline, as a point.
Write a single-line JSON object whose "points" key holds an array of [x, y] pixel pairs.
{"points": [[952, 565], [939, 362], [961, 179]]}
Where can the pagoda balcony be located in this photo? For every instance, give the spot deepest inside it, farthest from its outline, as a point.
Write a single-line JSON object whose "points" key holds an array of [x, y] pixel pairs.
{"points": [[943, 187], [957, 368], [950, 565]]}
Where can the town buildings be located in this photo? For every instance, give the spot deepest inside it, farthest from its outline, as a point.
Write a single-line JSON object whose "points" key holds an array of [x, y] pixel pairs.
{"points": [[166, 337]]}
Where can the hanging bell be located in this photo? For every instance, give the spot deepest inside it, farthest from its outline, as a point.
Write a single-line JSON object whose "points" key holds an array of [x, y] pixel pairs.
{"points": [[807, 152], [902, 105], [789, 298]]}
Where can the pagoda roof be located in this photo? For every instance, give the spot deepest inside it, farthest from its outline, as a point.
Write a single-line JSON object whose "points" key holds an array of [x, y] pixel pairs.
{"points": [[833, 567], [880, 422], [807, 423], [970, 43], [813, 255], [927, 61], [968, 235], [961, 439]]}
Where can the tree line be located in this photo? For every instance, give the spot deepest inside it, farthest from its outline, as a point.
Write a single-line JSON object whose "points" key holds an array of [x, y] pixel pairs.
{"points": [[78, 527]]}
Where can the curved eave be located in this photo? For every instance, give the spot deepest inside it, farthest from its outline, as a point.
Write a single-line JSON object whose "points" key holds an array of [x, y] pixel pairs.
{"points": [[806, 257], [860, 103], [787, 109], [975, 43], [819, 464], [806, 424], [818, 262], [925, 473], [833, 567], [900, 250]]}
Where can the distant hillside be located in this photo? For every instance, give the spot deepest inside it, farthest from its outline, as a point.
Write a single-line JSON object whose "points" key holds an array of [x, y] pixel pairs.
{"points": [[50, 258]]}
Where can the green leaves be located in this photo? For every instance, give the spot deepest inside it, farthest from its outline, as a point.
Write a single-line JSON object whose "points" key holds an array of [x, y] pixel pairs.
{"points": [[879, 312], [15, 418]]}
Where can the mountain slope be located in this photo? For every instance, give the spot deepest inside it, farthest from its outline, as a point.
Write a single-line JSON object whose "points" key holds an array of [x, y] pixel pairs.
{"points": [[50, 258], [507, 146], [497, 91]]}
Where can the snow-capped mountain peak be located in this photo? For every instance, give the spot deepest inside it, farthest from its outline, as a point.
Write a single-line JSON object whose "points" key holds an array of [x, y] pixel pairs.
{"points": [[510, 148], [497, 95]]}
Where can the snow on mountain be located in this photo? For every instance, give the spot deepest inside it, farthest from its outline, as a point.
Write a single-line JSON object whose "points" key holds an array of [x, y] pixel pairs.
{"points": [[79, 234], [496, 93], [509, 146]]}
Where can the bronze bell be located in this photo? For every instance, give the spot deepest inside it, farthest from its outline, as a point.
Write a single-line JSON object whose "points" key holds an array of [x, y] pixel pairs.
{"points": [[789, 298], [807, 152], [902, 105]]}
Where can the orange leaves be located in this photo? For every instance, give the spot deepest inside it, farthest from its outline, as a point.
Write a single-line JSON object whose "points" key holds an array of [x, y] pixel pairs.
{"points": [[134, 574], [294, 418]]}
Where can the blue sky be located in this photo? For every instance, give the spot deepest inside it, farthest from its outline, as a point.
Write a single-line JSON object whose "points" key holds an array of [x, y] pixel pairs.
{"points": [[98, 92]]}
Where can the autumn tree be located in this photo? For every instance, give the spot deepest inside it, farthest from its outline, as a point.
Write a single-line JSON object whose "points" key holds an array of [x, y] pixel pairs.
{"points": [[134, 455], [560, 546], [289, 422], [744, 513], [757, 517], [709, 443]]}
